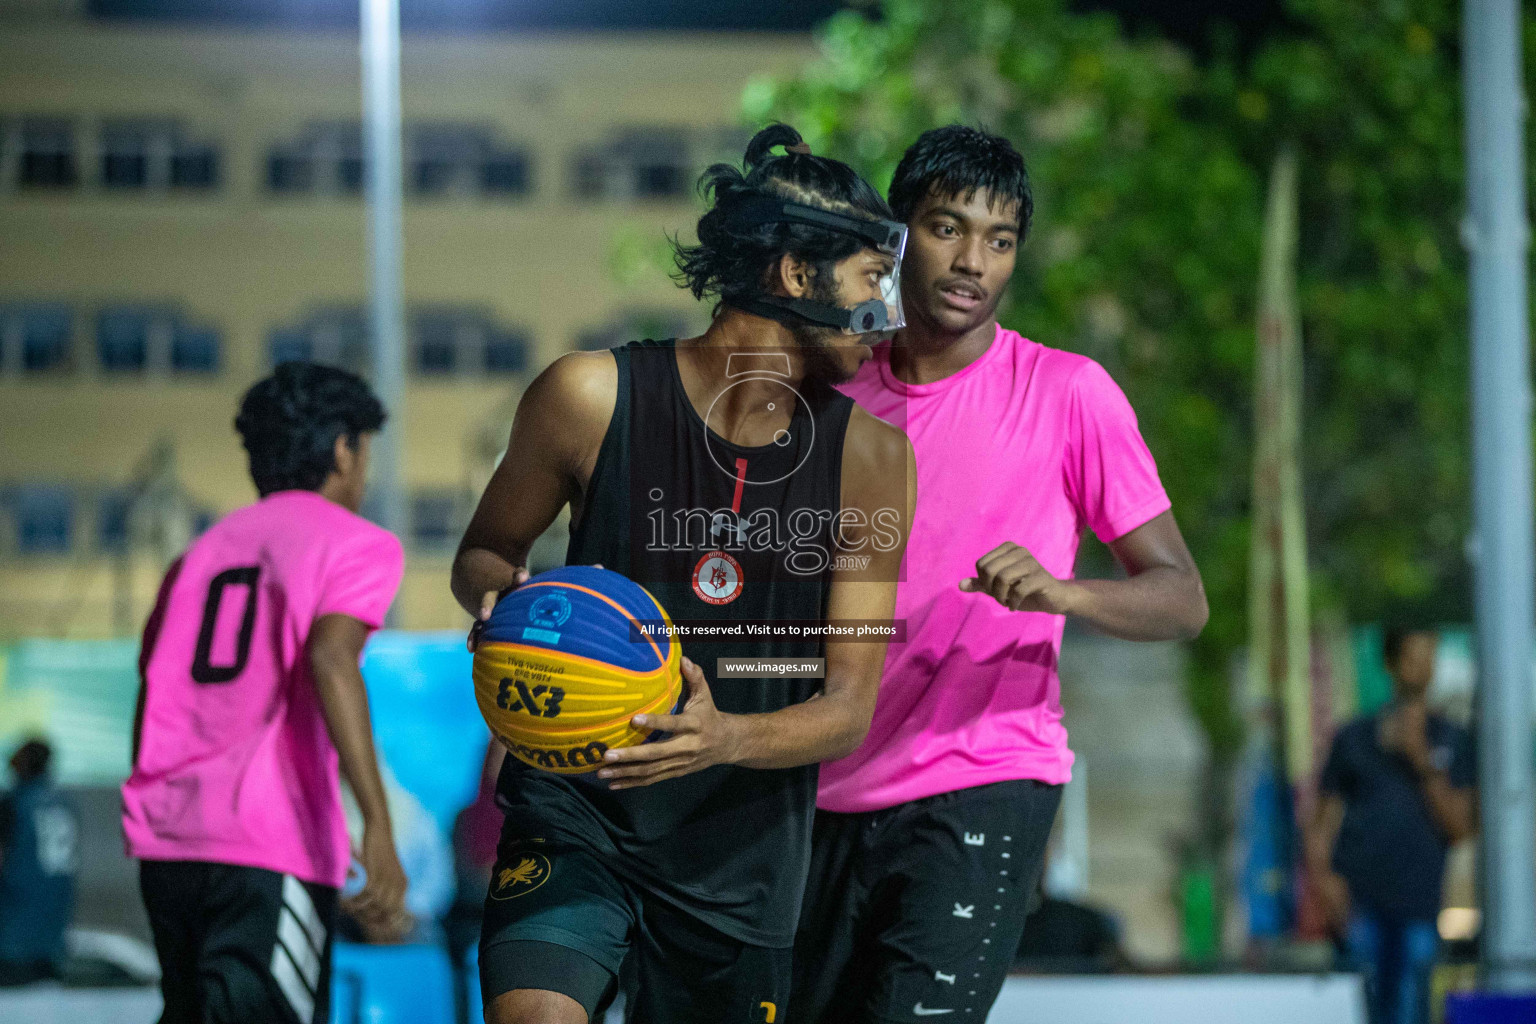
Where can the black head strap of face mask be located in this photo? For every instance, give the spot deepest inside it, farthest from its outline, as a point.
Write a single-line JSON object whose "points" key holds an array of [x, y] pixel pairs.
{"points": [[865, 318], [883, 235]]}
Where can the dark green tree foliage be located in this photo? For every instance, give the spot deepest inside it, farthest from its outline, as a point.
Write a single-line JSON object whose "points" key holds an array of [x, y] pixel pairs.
{"points": [[1145, 248], [1150, 173], [1371, 94]]}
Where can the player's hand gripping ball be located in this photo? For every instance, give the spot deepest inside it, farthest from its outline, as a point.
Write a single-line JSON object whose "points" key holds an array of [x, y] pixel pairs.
{"points": [[564, 663]]}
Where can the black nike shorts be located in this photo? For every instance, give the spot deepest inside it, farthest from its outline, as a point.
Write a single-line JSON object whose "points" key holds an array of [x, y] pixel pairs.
{"points": [[557, 919], [239, 945], [916, 910]]}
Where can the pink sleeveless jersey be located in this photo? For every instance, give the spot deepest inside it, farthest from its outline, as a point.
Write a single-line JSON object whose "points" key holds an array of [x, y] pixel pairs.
{"points": [[1027, 444], [236, 764]]}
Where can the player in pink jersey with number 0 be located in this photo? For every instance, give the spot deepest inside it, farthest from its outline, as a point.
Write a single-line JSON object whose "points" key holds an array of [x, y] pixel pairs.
{"points": [[250, 691], [929, 839]]}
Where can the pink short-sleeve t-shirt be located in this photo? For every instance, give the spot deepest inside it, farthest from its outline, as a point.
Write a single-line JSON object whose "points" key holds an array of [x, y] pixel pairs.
{"points": [[1027, 444], [236, 765]]}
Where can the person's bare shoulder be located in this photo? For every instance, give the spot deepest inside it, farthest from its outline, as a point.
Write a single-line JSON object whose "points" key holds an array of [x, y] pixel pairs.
{"points": [[873, 447], [879, 470], [570, 404], [579, 386]]}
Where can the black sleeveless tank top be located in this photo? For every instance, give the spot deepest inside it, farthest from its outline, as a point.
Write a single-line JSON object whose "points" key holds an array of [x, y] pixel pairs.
{"points": [[722, 533]]}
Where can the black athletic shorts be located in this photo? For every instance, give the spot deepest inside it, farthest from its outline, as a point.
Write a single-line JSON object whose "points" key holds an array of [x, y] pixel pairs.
{"points": [[916, 910], [557, 919], [239, 945]]}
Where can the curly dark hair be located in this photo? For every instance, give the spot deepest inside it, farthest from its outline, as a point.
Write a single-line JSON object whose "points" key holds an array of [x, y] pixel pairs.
{"points": [[31, 759], [731, 262], [289, 423], [958, 160]]}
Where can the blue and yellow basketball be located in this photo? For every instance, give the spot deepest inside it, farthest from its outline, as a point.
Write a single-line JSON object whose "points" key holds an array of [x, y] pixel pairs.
{"points": [[563, 666]]}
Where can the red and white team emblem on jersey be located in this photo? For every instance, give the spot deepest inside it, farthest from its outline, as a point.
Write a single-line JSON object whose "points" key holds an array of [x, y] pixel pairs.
{"points": [[717, 578]]}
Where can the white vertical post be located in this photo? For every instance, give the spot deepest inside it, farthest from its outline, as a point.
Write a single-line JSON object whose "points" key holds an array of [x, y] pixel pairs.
{"points": [[382, 152], [1497, 235]]}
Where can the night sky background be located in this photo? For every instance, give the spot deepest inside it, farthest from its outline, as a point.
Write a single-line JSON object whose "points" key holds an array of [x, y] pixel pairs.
{"points": [[1192, 22]]}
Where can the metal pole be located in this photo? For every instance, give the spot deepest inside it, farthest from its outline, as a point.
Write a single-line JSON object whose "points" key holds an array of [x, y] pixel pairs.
{"points": [[1497, 237], [381, 143]]}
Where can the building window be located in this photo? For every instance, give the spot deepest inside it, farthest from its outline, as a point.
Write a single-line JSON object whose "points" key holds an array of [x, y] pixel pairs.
{"points": [[155, 154], [195, 350], [122, 340], [437, 343], [443, 341], [133, 339], [349, 172], [47, 153], [639, 163], [290, 170], [635, 325], [115, 512], [436, 520], [506, 174], [290, 345], [124, 159], [112, 511], [336, 336], [327, 159], [44, 516], [661, 181], [194, 166], [35, 337], [506, 353], [447, 340], [454, 159], [440, 160]]}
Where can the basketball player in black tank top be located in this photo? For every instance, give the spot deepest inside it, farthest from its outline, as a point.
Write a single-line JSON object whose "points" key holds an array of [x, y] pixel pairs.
{"points": [[726, 475]]}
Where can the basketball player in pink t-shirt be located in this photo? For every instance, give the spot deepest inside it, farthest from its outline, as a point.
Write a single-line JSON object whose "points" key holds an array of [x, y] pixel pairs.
{"points": [[250, 691], [929, 839]]}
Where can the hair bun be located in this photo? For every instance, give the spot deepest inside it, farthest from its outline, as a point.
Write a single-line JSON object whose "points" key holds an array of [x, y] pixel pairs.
{"points": [[776, 134]]}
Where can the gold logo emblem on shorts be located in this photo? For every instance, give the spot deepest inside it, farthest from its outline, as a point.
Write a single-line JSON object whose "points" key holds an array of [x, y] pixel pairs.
{"points": [[518, 875]]}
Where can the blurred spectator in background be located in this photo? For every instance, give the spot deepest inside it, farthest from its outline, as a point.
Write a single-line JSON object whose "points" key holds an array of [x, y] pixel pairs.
{"points": [[1396, 792], [39, 855], [476, 833], [424, 854]]}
